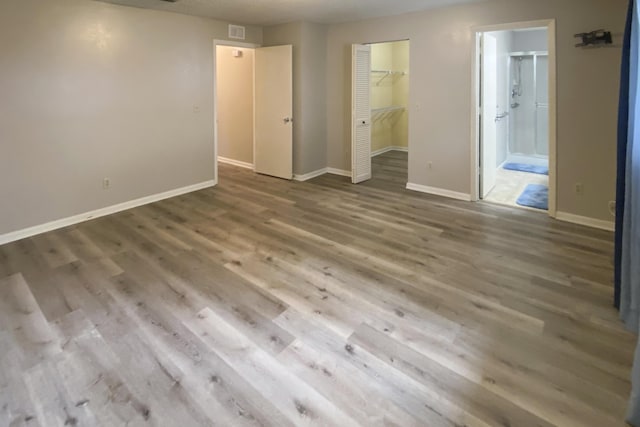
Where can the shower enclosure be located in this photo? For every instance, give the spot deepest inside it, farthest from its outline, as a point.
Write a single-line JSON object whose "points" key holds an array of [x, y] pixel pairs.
{"points": [[529, 108]]}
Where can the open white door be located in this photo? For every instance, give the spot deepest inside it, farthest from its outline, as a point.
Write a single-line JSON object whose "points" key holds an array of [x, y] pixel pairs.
{"points": [[361, 114], [489, 134], [273, 136]]}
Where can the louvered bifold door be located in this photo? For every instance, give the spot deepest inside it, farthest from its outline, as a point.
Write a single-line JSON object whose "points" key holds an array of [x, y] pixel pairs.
{"points": [[361, 114]]}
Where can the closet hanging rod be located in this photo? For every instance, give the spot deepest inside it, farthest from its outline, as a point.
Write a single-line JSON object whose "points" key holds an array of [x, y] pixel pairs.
{"points": [[387, 73], [385, 112], [387, 109]]}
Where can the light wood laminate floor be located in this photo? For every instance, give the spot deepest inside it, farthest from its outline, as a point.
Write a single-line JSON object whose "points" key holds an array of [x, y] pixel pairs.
{"points": [[276, 303]]}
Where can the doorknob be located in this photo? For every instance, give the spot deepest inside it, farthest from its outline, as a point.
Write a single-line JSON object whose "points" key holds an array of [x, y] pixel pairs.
{"points": [[288, 120]]}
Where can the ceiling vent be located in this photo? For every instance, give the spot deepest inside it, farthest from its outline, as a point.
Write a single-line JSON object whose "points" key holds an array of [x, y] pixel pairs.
{"points": [[236, 32]]}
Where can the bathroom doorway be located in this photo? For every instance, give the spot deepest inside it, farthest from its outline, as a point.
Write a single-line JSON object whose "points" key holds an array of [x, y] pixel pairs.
{"points": [[515, 139]]}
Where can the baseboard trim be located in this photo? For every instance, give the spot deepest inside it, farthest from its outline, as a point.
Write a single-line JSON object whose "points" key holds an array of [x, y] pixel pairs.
{"points": [[310, 175], [387, 149], [314, 174], [76, 219], [334, 171], [586, 221], [235, 162], [439, 192]]}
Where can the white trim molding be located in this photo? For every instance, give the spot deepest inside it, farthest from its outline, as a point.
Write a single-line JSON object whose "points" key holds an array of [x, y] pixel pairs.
{"points": [[387, 149], [75, 219], [310, 175], [235, 162], [334, 171], [586, 221], [439, 192]]}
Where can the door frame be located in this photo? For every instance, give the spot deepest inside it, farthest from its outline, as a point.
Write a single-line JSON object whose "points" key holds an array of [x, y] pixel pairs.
{"points": [[484, 121], [216, 43], [550, 26]]}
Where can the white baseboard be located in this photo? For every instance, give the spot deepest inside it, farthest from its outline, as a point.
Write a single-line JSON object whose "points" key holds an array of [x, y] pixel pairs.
{"points": [[235, 162], [75, 219], [310, 175], [334, 171], [439, 192], [387, 149], [589, 222]]}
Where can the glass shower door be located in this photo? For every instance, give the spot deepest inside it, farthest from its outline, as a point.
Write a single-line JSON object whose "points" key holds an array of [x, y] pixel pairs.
{"points": [[522, 118]]}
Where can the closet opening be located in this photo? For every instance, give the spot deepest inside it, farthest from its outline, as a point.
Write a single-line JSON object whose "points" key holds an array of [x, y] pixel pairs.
{"points": [[389, 111], [380, 132]]}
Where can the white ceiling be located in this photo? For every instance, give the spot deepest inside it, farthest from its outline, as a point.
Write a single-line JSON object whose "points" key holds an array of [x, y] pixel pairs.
{"points": [[270, 12]]}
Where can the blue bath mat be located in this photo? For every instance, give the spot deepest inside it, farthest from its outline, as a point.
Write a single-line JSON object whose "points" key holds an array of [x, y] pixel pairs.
{"points": [[523, 167], [535, 196]]}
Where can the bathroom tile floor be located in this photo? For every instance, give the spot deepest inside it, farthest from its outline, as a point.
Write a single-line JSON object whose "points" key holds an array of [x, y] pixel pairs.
{"points": [[510, 184]]}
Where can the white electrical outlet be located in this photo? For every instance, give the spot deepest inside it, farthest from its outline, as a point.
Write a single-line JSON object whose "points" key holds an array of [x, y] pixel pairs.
{"points": [[429, 165], [106, 183], [579, 189]]}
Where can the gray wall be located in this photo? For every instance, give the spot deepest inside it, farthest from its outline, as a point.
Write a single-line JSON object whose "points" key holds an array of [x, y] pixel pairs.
{"points": [[309, 97], [441, 99], [92, 90], [314, 111]]}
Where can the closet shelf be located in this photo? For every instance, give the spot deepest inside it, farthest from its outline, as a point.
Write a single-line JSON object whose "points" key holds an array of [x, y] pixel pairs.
{"points": [[387, 73], [386, 112]]}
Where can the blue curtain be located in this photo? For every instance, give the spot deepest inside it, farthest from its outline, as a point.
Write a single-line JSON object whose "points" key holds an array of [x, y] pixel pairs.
{"points": [[628, 225], [623, 134]]}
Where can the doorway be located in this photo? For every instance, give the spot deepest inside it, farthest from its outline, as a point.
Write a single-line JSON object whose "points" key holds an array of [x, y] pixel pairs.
{"points": [[389, 117], [234, 104], [514, 136], [380, 138], [253, 104]]}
